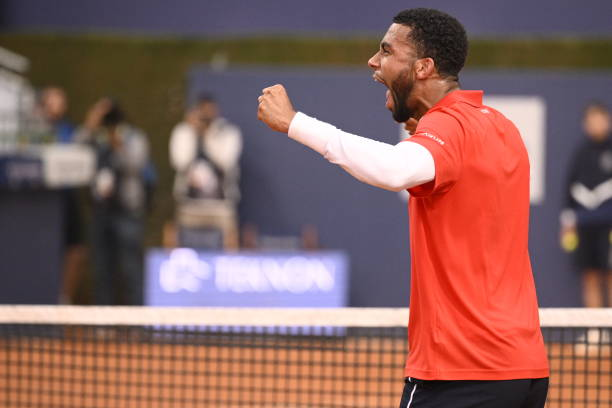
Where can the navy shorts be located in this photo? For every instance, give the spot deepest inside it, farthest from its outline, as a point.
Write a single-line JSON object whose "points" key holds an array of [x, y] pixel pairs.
{"points": [[593, 250], [528, 393]]}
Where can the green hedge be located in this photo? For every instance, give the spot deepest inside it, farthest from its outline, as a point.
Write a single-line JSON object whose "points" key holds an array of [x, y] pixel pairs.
{"points": [[148, 74]]}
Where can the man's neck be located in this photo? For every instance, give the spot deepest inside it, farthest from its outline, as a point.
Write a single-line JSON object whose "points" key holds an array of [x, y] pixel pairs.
{"points": [[433, 91]]}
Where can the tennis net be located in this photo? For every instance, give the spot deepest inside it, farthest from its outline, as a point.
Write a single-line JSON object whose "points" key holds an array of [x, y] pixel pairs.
{"points": [[93, 357]]}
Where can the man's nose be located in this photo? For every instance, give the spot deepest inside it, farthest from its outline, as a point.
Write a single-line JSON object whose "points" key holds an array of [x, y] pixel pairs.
{"points": [[373, 62]]}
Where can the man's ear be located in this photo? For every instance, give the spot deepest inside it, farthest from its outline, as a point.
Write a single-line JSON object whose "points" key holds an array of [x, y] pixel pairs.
{"points": [[425, 68]]}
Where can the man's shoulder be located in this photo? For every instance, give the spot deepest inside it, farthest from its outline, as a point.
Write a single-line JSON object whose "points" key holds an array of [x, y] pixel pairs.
{"points": [[440, 119]]}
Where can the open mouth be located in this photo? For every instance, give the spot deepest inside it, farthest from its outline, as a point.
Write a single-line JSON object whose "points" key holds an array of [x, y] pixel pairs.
{"points": [[378, 79], [389, 99]]}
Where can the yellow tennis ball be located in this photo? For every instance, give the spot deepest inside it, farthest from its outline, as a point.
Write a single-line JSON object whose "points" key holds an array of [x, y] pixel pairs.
{"points": [[569, 241]]}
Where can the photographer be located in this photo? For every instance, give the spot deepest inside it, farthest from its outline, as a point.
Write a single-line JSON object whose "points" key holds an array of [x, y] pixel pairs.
{"points": [[204, 151], [120, 193]]}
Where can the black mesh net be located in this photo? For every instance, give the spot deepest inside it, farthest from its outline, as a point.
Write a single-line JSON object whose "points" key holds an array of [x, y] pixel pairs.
{"points": [[95, 366]]}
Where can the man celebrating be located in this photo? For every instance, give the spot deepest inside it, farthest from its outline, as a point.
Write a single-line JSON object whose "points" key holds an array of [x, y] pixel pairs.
{"points": [[474, 332]]}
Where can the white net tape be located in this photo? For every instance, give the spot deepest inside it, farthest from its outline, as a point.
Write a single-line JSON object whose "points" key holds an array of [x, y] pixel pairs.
{"points": [[199, 316]]}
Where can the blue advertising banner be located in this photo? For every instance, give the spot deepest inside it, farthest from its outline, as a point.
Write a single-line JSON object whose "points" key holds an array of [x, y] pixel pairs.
{"points": [[186, 277]]}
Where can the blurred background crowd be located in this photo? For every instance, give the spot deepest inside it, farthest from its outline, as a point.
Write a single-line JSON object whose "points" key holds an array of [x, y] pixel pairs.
{"points": [[130, 127]]}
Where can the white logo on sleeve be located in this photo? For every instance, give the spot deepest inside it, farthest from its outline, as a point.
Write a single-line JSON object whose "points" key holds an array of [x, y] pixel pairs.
{"points": [[432, 137]]}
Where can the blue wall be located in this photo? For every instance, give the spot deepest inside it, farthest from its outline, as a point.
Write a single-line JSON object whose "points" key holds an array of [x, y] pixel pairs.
{"points": [[285, 185], [31, 222], [214, 17]]}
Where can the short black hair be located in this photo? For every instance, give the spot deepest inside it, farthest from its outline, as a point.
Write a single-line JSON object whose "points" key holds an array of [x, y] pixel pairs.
{"points": [[438, 36], [115, 114], [596, 106], [206, 97]]}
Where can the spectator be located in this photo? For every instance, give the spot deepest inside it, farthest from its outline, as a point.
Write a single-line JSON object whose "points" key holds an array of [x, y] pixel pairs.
{"points": [[205, 140], [53, 108], [204, 151], [53, 105], [587, 221], [119, 192]]}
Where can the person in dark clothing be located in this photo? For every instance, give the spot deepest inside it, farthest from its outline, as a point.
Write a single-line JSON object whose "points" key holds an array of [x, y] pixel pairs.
{"points": [[119, 193], [586, 223], [53, 106]]}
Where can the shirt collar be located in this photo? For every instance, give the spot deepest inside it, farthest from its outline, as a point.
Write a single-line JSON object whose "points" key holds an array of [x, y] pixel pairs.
{"points": [[473, 98]]}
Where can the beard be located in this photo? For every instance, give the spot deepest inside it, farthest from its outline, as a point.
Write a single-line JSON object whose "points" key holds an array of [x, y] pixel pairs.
{"points": [[400, 91]]}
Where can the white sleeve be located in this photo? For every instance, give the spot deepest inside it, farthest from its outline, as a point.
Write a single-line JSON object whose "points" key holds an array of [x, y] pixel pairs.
{"points": [[223, 145], [182, 146], [392, 167]]}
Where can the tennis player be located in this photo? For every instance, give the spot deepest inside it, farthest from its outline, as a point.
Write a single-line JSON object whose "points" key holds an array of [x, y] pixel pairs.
{"points": [[474, 332]]}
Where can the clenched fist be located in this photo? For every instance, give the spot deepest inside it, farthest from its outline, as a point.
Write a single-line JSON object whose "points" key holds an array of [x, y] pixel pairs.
{"points": [[275, 109]]}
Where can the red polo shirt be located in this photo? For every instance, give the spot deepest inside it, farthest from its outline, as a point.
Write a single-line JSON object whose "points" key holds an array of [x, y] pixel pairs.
{"points": [[473, 306]]}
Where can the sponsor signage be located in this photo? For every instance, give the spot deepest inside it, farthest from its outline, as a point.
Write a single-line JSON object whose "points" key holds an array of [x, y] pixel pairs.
{"points": [[187, 277]]}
